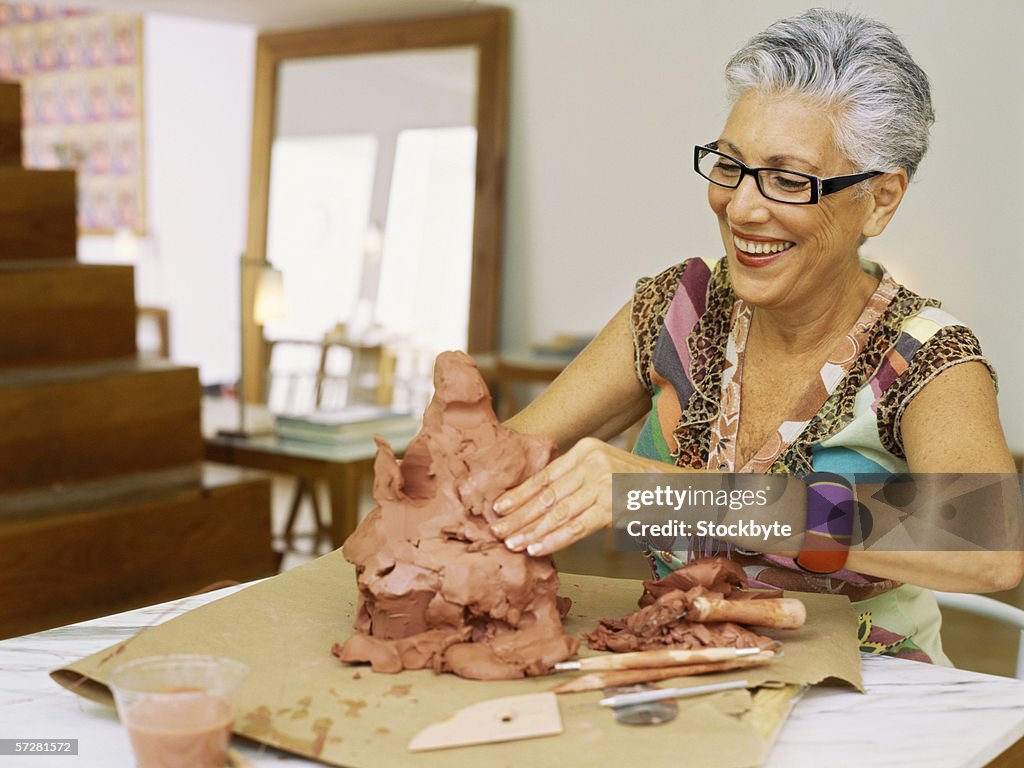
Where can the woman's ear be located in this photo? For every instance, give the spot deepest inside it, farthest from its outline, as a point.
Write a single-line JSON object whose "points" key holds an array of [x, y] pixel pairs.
{"points": [[886, 194]]}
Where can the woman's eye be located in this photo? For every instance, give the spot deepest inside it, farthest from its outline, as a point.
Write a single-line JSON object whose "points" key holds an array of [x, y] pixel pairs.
{"points": [[727, 168], [789, 183]]}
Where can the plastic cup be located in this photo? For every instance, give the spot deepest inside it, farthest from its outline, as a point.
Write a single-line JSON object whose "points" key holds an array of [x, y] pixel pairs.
{"points": [[178, 709]]}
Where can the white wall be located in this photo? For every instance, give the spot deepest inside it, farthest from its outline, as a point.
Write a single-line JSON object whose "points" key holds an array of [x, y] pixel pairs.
{"points": [[609, 96], [379, 94], [198, 81]]}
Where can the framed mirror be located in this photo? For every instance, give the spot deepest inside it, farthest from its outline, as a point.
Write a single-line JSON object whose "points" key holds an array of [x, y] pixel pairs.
{"points": [[377, 183]]}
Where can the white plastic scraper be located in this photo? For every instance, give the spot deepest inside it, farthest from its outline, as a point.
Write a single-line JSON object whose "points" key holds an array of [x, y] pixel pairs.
{"points": [[505, 719]]}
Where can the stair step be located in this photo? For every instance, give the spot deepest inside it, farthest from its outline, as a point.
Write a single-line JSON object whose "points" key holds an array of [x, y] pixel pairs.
{"points": [[10, 124], [68, 425], [58, 569], [54, 312], [37, 214], [96, 494]]}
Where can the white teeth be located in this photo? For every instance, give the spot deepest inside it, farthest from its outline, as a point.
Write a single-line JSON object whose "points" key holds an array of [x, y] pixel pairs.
{"points": [[749, 246]]}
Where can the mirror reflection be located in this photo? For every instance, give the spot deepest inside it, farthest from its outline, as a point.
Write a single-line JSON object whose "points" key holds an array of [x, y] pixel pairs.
{"points": [[370, 214], [377, 190]]}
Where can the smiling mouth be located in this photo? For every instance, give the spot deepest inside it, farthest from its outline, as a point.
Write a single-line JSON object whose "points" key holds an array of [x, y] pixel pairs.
{"points": [[761, 248]]}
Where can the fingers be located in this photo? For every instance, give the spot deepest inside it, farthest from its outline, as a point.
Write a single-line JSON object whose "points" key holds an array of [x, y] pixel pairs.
{"points": [[513, 499], [565, 501], [583, 524], [534, 508], [552, 516]]}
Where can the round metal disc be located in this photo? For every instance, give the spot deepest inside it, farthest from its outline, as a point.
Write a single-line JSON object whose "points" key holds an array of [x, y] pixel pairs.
{"points": [[651, 713]]}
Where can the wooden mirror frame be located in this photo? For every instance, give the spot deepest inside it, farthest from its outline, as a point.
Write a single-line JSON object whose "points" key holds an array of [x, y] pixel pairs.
{"points": [[486, 29]]}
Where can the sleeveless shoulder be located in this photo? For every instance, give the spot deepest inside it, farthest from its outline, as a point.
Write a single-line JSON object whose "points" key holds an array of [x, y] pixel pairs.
{"points": [[931, 341]]}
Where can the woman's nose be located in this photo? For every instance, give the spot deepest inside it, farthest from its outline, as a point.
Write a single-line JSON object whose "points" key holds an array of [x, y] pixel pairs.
{"points": [[747, 203]]}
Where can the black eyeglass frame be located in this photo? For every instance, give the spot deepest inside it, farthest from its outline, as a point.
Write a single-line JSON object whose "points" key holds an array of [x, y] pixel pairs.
{"points": [[819, 186]]}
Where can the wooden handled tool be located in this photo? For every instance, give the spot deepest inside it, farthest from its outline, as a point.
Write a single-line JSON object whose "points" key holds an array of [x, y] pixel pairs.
{"points": [[667, 657], [596, 680], [778, 612]]}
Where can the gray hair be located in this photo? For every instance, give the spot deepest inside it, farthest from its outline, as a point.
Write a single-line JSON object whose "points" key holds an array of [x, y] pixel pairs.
{"points": [[878, 97]]}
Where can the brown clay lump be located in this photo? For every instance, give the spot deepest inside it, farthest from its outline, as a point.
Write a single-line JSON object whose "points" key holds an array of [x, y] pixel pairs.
{"points": [[664, 619], [436, 588]]}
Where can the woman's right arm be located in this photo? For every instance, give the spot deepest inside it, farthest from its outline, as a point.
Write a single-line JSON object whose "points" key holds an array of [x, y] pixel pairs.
{"points": [[597, 395]]}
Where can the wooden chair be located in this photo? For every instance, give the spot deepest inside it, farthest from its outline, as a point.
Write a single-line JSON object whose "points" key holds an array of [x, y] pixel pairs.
{"points": [[153, 331], [290, 386], [326, 374], [509, 374], [992, 609], [354, 374], [291, 380]]}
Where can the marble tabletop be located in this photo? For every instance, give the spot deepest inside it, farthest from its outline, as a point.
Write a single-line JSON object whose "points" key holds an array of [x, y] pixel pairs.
{"points": [[914, 715]]}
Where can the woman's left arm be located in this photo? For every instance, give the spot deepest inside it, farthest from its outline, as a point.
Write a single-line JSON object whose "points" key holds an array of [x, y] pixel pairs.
{"points": [[952, 425]]}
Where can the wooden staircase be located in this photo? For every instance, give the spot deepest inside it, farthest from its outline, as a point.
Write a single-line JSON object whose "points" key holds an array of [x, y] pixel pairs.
{"points": [[105, 503]]}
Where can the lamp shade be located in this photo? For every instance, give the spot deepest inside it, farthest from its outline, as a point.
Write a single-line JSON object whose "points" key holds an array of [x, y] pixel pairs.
{"points": [[270, 302]]}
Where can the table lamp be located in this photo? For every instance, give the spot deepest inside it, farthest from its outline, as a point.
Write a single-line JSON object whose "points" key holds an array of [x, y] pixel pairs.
{"points": [[268, 305]]}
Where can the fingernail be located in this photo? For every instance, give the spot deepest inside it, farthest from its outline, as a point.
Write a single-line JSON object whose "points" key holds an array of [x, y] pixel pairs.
{"points": [[515, 543], [533, 549], [501, 506]]}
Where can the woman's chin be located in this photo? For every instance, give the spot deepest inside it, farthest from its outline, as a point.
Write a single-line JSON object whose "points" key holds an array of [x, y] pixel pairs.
{"points": [[757, 286]]}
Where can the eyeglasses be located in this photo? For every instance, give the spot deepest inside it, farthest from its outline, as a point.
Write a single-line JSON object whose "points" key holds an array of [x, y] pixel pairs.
{"points": [[776, 184]]}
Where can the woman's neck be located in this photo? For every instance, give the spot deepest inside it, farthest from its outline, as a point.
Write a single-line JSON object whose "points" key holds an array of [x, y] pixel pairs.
{"points": [[815, 327]]}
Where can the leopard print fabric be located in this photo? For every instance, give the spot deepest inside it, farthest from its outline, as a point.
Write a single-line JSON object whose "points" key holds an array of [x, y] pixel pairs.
{"points": [[651, 299], [707, 345], [949, 346], [838, 410]]}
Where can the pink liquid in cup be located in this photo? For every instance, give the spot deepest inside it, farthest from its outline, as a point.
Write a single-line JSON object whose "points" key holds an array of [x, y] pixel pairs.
{"points": [[190, 731], [178, 709]]}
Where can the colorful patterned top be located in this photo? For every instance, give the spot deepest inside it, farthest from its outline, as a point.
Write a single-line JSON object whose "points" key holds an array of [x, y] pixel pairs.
{"points": [[689, 335]]}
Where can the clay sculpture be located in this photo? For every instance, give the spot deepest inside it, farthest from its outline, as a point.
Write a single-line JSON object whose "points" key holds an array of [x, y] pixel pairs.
{"points": [[436, 588]]}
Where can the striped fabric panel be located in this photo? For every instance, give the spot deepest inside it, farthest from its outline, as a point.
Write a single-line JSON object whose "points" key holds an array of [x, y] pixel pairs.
{"points": [[671, 362], [665, 410], [688, 305], [651, 441], [671, 372], [915, 332]]}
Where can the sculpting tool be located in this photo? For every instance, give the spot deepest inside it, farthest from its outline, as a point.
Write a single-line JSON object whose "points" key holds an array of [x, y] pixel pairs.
{"points": [[641, 697], [775, 612], [667, 657], [593, 681], [505, 719]]}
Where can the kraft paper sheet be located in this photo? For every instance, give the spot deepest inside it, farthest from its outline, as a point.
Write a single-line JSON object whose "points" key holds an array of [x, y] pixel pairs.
{"points": [[301, 699]]}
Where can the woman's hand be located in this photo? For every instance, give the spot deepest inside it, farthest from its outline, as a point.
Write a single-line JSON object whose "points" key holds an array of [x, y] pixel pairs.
{"points": [[569, 499]]}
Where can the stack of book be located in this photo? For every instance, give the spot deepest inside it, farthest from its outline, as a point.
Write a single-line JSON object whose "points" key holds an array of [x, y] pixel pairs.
{"points": [[355, 422]]}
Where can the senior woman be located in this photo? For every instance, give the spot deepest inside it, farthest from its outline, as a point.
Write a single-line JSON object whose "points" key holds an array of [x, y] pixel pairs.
{"points": [[790, 354]]}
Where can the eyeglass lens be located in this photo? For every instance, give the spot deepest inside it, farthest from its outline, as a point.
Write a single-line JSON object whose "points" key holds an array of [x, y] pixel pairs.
{"points": [[775, 184]]}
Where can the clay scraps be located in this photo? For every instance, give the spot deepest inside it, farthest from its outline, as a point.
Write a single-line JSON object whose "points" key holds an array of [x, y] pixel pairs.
{"points": [[662, 620]]}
